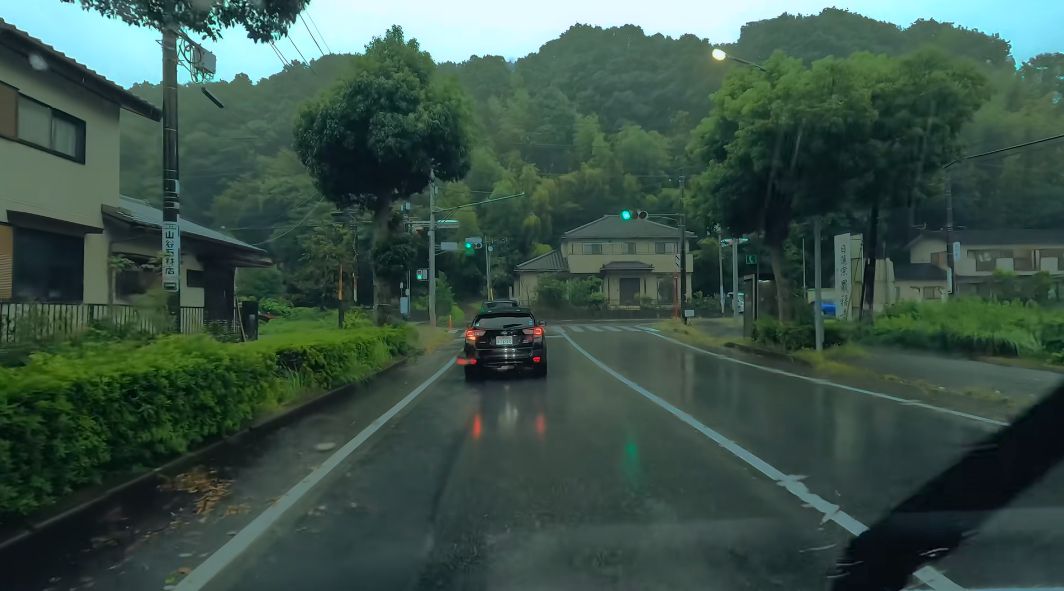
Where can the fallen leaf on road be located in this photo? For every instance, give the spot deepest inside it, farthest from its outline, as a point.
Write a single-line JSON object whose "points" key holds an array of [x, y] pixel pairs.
{"points": [[203, 482]]}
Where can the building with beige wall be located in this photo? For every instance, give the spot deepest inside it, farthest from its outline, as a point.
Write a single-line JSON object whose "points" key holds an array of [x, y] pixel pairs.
{"points": [[62, 218], [982, 252], [637, 260]]}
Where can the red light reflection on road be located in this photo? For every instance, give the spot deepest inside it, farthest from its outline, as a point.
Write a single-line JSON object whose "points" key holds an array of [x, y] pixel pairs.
{"points": [[478, 427], [541, 425]]}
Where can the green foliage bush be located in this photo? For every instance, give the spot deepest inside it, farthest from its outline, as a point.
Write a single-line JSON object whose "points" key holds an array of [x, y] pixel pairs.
{"points": [[794, 336], [67, 420], [550, 292], [972, 326]]}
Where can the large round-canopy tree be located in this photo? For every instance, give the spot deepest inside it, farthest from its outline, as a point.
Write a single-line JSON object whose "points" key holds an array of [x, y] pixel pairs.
{"points": [[378, 135]]}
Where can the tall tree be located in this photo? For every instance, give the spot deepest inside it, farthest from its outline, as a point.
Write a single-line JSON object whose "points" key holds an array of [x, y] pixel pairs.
{"points": [[379, 134], [262, 19]]}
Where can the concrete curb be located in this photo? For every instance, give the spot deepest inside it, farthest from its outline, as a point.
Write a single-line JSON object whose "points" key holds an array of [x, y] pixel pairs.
{"points": [[780, 355], [50, 519]]}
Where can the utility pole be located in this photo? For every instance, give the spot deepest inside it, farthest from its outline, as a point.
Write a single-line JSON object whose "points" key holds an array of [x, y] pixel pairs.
{"points": [[818, 311], [171, 230], [805, 287], [720, 266], [735, 277], [487, 269], [949, 231], [683, 256], [432, 249]]}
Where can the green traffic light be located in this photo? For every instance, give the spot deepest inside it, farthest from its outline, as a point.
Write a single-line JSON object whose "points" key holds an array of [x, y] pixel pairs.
{"points": [[626, 214], [469, 245]]}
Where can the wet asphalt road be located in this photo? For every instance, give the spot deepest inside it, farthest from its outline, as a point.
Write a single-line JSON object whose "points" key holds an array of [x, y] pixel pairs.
{"points": [[575, 481], [579, 482]]}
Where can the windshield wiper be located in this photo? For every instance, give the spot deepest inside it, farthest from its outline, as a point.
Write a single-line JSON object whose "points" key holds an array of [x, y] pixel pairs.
{"points": [[951, 507]]}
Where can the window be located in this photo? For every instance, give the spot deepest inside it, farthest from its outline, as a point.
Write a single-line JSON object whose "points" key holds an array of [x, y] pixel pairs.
{"points": [[625, 248], [939, 259], [48, 267], [664, 247], [930, 293], [8, 111], [986, 260], [592, 248], [194, 278], [53, 130], [1054, 253], [1023, 259]]}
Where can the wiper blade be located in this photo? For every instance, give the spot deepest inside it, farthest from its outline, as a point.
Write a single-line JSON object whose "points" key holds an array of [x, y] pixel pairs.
{"points": [[951, 507]]}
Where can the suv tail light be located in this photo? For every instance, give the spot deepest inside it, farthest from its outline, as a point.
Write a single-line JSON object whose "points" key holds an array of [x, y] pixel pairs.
{"points": [[536, 332], [472, 334]]}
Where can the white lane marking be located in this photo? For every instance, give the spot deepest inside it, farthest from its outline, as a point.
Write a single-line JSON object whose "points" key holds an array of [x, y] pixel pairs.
{"points": [[823, 382], [648, 328], [631, 329], [231, 550], [794, 485], [611, 328], [576, 328], [593, 328]]}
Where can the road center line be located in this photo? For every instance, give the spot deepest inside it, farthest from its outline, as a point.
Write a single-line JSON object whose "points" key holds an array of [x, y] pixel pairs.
{"points": [[245, 538], [930, 576], [823, 382]]}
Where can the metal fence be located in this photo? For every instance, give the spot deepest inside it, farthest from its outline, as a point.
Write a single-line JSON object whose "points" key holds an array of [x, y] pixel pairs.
{"points": [[32, 321]]}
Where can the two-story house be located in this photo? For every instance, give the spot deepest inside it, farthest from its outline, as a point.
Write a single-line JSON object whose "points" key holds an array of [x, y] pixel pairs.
{"points": [[63, 223], [1023, 252], [637, 260]]}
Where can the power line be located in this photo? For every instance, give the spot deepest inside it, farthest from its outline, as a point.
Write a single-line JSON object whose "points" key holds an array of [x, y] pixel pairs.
{"points": [[280, 56], [290, 230], [311, 35], [311, 17], [305, 61]]}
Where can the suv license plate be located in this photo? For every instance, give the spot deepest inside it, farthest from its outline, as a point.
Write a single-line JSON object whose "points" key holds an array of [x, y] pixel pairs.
{"points": [[504, 340]]}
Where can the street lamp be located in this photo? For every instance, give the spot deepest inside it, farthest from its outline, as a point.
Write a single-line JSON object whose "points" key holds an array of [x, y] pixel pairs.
{"points": [[721, 55]]}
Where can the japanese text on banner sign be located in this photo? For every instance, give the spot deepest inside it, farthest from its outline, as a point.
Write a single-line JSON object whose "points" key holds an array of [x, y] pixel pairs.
{"points": [[171, 256]]}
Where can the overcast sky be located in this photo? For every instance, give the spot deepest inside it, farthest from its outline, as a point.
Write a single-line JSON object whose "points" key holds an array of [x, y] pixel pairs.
{"points": [[456, 29]]}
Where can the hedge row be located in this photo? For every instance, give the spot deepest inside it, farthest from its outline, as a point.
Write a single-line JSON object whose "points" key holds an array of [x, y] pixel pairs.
{"points": [[68, 420]]}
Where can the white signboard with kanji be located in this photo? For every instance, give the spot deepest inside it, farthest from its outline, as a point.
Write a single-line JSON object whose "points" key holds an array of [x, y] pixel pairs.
{"points": [[171, 257]]}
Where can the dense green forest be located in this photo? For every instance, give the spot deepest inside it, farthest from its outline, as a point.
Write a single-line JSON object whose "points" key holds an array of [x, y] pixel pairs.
{"points": [[595, 121]]}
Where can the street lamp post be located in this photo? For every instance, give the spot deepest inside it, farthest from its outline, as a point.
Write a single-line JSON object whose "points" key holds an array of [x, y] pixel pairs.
{"points": [[721, 55]]}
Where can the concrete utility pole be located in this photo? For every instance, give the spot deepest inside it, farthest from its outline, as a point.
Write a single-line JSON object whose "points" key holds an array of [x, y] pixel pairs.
{"points": [[735, 277], [432, 249], [818, 311], [949, 232], [720, 266], [487, 269], [683, 256], [171, 231]]}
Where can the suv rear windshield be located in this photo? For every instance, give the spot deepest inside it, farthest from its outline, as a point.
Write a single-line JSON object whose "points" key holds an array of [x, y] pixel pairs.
{"points": [[504, 321]]}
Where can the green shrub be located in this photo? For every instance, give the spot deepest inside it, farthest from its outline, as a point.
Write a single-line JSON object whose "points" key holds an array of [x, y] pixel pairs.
{"points": [[67, 420], [972, 326], [550, 292], [795, 336]]}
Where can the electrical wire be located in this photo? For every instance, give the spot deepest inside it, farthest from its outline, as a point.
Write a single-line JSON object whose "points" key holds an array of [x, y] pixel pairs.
{"points": [[311, 17], [305, 61], [293, 228], [311, 35], [280, 56]]}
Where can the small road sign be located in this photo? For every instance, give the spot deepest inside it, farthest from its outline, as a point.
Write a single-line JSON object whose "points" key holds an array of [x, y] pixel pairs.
{"points": [[448, 246], [751, 259]]}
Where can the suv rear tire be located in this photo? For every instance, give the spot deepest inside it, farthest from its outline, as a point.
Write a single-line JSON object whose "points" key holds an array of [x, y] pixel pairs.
{"points": [[540, 371], [472, 374]]}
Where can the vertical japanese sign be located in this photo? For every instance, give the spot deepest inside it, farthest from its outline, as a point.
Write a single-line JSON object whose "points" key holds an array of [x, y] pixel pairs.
{"points": [[843, 285], [171, 257]]}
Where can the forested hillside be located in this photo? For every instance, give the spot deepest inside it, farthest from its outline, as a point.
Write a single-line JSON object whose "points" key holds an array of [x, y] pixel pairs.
{"points": [[596, 120]]}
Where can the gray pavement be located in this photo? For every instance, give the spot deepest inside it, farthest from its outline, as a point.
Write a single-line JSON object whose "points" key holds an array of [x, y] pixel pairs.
{"points": [[638, 463]]}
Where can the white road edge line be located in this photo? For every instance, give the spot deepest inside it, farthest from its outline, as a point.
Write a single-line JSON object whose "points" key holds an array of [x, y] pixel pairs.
{"points": [[223, 557], [930, 576], [823, 382]]}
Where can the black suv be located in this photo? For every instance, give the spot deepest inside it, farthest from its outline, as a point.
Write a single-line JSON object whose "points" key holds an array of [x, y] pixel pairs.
{"points": [[506, 339]]}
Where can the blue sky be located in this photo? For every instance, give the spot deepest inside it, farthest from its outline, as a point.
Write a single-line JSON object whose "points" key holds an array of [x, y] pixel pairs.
{"points": [[456, 29]]}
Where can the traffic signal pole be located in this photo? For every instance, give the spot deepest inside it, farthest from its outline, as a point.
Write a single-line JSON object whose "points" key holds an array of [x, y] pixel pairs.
{"points": [[683, 257], [487, 269]]}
